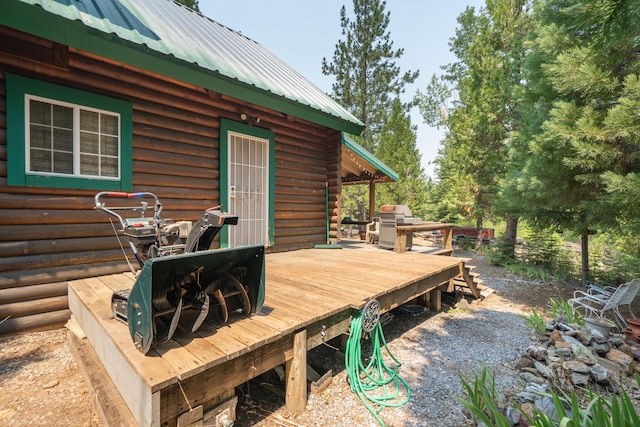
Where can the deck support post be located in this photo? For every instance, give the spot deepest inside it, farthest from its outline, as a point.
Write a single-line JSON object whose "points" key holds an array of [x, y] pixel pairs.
{"points": [[296, 386], [435, 299]]}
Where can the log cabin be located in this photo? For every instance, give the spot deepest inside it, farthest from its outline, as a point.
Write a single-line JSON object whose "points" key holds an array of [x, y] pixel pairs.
{"points": [[150, 96]]}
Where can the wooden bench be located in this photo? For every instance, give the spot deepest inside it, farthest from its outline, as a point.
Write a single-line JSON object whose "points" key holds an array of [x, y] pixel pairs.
{"points": [[403, 230]]}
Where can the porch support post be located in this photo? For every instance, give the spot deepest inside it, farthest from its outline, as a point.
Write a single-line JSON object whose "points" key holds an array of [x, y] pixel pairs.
{"points": [[372, 199]]}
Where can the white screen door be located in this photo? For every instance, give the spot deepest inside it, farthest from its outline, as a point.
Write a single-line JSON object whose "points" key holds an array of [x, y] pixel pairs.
{"points": [[248, 189]]}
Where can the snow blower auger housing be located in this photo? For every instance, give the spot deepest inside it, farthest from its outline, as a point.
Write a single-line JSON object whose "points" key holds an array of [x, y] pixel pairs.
{"points": [[181, 279]]}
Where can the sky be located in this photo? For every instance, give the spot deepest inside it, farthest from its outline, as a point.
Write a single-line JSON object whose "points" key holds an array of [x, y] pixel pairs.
{"points": [[301, 33]]}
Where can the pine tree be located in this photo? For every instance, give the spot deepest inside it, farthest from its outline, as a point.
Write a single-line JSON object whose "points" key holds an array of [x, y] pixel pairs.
{"points": [[368, 81], [582, 77], [480, 117], [584, 156], [367, 77], [397, 149]]}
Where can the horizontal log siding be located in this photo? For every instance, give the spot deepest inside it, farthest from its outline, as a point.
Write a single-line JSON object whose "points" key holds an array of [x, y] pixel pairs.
{"points": [[301, 173], [334, 164], [48, 236]]}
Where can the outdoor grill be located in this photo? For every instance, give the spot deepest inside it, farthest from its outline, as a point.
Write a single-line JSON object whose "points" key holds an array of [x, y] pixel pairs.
{"points": [[390, 216]]}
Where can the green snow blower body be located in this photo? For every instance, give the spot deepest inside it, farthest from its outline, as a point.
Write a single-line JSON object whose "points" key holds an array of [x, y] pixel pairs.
{"points": [[167, 286]]}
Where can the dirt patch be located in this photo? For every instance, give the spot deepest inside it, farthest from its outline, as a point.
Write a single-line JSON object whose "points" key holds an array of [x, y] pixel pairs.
{"points": [[41, 384]]}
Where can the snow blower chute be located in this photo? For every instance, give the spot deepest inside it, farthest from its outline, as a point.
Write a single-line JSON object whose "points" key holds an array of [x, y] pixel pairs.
{"points": [[181, 280]]}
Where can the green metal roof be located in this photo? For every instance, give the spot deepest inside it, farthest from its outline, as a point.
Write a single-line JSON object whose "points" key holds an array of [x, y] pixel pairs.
{"points": [[369, 167], [170, 39]]}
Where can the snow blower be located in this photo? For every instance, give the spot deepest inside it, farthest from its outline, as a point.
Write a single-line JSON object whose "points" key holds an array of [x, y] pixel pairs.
{"points": [[180, 279]]}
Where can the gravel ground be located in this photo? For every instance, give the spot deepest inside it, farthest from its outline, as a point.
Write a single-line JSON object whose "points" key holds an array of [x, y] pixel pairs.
{"points": [[42, 386]]}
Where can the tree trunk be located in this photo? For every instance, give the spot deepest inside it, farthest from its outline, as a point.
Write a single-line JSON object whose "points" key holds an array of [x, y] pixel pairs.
{"points": [[510, 234], [584, 238], [479, 239]]}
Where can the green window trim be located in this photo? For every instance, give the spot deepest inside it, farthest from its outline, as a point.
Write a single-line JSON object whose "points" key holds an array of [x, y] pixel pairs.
{"points": [[17, 88], [227, 126]]}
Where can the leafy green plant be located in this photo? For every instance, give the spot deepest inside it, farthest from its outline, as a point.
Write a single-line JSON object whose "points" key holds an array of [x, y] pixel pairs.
{"points": [[598, 412], [536, 321], [484, 403], [563, 308]]}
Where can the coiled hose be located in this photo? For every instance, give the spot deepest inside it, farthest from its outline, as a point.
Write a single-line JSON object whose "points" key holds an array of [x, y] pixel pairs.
{"points": [[376, 385]]}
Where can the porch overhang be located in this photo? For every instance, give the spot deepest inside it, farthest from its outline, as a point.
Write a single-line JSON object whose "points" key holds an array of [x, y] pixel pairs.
{"points": [[359, 166]]}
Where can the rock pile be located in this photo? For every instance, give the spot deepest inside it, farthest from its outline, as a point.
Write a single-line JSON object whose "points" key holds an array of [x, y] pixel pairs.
{"points": [[570, 357]]}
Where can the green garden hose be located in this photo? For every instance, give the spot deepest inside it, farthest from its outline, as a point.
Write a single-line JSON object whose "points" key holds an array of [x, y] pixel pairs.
{"points": [[376, 385]]}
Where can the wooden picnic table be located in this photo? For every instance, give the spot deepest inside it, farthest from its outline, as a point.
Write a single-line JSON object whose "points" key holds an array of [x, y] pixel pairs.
{"points": [[445, 228]]}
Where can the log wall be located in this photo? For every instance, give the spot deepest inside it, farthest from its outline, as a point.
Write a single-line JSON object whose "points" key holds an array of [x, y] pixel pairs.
{"points": [[49, 236]]}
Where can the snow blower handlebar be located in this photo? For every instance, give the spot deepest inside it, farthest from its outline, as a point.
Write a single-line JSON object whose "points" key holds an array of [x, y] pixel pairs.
{"points": [[101, 205]]}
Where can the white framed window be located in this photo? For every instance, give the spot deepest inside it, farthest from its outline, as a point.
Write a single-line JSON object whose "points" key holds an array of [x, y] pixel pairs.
{"points": [[63, 137], [71, 140]]}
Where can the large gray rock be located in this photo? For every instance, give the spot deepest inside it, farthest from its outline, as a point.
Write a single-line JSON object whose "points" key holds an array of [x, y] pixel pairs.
{"points": [[531, 378], [579, 380], [576, 366], [599, 374]]}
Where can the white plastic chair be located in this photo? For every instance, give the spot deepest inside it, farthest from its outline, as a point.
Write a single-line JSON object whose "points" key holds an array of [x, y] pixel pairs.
{"points": [[598, 303], [373, 231], [626, 300]]}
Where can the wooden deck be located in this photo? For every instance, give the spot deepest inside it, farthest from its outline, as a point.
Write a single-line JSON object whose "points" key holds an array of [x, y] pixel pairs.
{"points": [[312, 291]]}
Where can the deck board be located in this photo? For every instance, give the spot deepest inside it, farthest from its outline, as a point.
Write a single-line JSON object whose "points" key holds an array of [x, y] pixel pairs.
{"points": [[310, 289]]}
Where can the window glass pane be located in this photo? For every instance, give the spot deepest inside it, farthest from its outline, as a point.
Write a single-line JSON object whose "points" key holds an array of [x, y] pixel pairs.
{"points": [[63, 117], [89, 121], [88, 143], [89, 165], [62, 162], [62, 140], [61, 137], [109, 166], [109, 146], [40, 160], [40, 137], [40, 112], [109, 124]]}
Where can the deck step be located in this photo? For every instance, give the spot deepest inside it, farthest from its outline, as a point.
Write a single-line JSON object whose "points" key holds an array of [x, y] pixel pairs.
{"points": [[485, 291], [462, 283]]}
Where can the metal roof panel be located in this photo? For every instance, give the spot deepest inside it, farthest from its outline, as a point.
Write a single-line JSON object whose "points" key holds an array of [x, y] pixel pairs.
{"points": [[168, 28]]}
